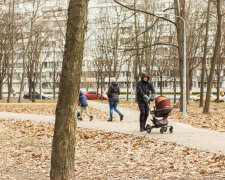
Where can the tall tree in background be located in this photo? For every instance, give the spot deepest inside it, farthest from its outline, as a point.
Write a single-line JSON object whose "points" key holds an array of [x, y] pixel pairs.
{"points": [[179, 7], [63, 148], [137, 61], [214, 58], [10, 69], [220, 63], [204, 55], [4, 52]]}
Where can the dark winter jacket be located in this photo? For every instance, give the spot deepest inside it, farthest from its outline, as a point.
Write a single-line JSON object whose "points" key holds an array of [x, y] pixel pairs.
{"points": [[143, 88], [83, 100], [113, 92]]}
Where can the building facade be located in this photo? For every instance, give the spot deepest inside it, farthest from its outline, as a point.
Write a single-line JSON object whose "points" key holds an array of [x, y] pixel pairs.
{"points": [[119, 43]]}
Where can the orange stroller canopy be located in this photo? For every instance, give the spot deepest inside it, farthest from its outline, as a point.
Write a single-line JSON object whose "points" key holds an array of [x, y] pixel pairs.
{"points": [[162, 102]]}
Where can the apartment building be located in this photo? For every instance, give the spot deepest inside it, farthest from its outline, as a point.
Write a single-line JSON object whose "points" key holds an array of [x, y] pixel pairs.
{"points": [[164, 31], [106, 41]]}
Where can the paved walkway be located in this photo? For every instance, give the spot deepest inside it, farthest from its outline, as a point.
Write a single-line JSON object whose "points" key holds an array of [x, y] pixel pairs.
{"points": [[183, 134]]}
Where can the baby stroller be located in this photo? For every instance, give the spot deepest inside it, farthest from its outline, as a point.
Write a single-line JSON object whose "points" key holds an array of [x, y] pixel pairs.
{"points": [[160, 114]]}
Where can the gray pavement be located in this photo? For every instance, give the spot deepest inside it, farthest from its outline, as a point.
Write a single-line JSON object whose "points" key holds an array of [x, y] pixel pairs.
{"points": [[203, 139]]}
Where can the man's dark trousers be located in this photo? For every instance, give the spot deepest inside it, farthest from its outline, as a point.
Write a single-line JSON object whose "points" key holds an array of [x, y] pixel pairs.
{"points": [[144, 109]]}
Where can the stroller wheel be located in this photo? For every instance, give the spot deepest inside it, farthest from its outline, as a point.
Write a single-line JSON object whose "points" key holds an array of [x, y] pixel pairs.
{"points": [[171, 129], [165, 129], [148, 128], [161, 130]]}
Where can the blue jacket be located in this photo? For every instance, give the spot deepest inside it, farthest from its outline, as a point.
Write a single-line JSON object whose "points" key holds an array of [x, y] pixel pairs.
{"points": [[83, 100]]}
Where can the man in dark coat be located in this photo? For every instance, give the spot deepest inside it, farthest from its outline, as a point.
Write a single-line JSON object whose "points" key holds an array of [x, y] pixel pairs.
{"points": [[84, 106], [143, 98], [113, 95]]}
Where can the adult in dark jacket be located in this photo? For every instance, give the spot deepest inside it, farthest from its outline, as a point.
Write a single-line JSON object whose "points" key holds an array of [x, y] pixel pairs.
{"points": [[113, 95], [84, 106], [143, 98]]}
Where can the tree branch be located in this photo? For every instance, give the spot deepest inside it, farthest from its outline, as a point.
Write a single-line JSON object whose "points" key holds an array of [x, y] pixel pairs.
{"points": [[142, 32], [144, 47], [141, 11]]}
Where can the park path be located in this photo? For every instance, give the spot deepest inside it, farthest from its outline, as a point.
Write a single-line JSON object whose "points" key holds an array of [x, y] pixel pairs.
{"points": [[203, 139]]}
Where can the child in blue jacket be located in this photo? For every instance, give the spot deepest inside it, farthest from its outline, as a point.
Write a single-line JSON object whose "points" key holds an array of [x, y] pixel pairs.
{"points": [[84, 106]]}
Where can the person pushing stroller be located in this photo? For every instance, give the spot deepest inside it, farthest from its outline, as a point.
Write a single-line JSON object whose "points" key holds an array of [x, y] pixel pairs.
{"points": [[143, 98]]}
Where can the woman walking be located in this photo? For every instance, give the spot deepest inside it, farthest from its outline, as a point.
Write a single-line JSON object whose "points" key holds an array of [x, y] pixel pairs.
{"points": [[113, 95]]}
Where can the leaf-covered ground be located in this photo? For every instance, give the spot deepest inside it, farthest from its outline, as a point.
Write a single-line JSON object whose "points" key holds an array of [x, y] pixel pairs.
{"points": [[47, 109], [25, 149]]}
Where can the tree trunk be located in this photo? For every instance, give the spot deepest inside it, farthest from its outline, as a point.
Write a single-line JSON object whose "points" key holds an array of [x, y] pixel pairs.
{"points": [[1, 90], [174, 82], [101, 87], [11, 70], [214, 58], [204, 56], [21, 87], [128, 70], [218, 87], [175, 89], [189, 78], [161, 84], [22, 80], [53, 90], [30, 91], [137, 57], [98, 84], [64, 139], [54, 76], [33, 93], [180, 39], [218, 69]]}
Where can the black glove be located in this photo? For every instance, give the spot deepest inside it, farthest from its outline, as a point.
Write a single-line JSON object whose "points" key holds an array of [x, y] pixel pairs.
{"points": [[152, 97]]}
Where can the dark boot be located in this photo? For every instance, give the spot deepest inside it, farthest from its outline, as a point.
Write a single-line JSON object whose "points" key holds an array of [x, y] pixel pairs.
{"points": [[91, 117], [121, 117], [141, 128], [144, 127], [110, 120], [80, 119]]}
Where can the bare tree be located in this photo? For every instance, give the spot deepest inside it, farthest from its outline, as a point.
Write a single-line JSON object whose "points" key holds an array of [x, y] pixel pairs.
{"points": [[204, 54], [23, 51], [214, 58], [11, 30], [180, 11], [4, 52], [33, 66], [64, 139], [219, 69], [59, 38], [100, 72]]}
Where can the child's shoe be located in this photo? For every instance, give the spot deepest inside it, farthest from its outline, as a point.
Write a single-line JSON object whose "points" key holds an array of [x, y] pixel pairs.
{"points": [[80, 119]]}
